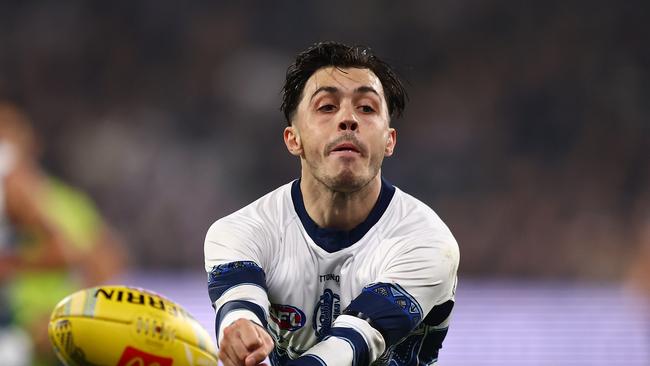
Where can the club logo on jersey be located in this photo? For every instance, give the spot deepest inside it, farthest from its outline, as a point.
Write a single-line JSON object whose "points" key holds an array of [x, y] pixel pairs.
{"points": [[135, 357], [287, 317], [328, 309]]}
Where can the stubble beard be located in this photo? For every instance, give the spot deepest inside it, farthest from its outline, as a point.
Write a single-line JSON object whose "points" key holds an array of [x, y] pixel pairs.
{"points": [[346, 180]]}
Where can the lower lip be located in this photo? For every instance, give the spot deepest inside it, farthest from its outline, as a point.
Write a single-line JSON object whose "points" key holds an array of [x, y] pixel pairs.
{"points": [[345, 153]]}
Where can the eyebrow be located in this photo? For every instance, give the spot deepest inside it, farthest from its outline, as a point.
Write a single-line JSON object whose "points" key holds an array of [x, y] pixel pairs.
{"points": [[335, 90]]}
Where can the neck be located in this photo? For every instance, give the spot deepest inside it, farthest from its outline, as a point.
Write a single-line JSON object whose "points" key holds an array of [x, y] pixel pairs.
{"points": [[338, 210]]}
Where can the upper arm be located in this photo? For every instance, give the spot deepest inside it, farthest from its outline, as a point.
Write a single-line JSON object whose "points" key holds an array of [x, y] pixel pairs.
{"points": [[24, 191], [25, 206], [418, 275], [235, 238], [424, 269], [234, 257]]}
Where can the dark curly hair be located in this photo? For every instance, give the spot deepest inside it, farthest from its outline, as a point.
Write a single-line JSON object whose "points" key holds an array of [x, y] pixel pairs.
{"points": [[324, 54]]}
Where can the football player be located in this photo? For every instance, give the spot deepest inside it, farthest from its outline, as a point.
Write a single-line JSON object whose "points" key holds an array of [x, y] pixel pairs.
{"points": [[51, 236], [338, 267]]}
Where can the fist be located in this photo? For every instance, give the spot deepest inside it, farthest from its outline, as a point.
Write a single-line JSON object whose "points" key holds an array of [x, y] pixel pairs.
{"points": [[244, 343]]}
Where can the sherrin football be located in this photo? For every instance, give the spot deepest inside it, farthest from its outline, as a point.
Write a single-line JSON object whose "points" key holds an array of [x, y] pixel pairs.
{"points": [[119, 325]]}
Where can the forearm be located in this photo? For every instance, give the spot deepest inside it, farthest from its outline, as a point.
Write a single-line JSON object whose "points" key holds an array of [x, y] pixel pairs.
{"points": [[238, 294], [13, 263], [234, 310], [238, 291], [352, 341]]}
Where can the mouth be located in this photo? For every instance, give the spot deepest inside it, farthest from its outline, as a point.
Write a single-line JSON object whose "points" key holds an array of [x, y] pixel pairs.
{"points": [[347, 148]]}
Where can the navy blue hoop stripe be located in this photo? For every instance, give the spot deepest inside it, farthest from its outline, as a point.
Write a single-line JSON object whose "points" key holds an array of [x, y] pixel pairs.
{"points": [[228, 275], [238, 305], [357, 342], [307, 360]]}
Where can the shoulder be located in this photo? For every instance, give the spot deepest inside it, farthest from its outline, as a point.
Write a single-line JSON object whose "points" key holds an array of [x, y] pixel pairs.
{"points": [[410, 215], [261, 216], [412, 222], [249, 234]]}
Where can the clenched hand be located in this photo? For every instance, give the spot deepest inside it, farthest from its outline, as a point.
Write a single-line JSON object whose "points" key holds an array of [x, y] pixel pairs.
{"points": [[244, 343]]}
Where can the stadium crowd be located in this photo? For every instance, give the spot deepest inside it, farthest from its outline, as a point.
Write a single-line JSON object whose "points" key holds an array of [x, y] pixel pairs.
{"points": [[527, 128]]}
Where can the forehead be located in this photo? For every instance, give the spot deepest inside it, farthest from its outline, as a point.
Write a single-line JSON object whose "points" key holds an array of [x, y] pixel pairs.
{"points": [[343, 79]]}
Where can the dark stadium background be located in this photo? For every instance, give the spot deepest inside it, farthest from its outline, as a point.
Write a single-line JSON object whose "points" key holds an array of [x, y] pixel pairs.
{"points": [[527, 131]]}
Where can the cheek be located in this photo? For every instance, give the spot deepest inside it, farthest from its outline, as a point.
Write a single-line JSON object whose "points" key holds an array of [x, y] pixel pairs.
{"points": [[379, 143], [311, 147]]}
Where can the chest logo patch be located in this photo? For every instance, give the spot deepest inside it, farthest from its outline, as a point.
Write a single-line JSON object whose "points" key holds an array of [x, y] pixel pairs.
{"points": [[327, 309], [287, 317]]}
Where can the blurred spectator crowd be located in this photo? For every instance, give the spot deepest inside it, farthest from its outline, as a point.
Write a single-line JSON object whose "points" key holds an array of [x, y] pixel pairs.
{"points": [[527, 130]]}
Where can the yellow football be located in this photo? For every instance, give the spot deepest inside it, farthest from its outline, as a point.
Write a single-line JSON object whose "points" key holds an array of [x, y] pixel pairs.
{"points": [[119, 325]]}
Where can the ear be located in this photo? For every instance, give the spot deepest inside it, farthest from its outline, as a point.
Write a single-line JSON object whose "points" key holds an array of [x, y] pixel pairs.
{"points": [[292, 140], [390, 143]]}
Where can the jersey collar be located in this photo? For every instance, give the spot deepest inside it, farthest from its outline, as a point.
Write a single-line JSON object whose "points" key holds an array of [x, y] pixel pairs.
{"points": [[332, 240]]}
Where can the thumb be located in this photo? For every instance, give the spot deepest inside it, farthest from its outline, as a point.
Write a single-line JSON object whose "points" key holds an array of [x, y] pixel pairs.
{"points": [[255, 358]]}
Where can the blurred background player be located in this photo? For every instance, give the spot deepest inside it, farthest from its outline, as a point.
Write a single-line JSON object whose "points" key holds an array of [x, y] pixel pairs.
{"points": [[53, 242]]}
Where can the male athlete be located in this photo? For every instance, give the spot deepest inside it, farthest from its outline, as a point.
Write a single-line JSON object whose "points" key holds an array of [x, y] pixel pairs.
{"points": [[338, 267]]}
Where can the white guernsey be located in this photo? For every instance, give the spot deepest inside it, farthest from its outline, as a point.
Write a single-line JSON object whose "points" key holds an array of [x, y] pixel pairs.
{"points": [[381, 293]]}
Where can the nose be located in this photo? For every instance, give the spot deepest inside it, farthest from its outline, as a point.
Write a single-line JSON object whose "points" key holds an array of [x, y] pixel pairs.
{"points": [[348, 118], [348, 124]]}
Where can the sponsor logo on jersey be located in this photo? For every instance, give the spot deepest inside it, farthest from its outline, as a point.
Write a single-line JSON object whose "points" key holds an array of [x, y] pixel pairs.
{"points": [[327, 309], [135, 357], [287, 317], [329, 277]]}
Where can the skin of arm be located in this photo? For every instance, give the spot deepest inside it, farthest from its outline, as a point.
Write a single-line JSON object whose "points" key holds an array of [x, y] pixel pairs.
{"points": [[22, 191]]}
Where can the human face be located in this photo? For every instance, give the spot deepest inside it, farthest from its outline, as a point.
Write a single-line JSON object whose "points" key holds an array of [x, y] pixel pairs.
{"points": [[341, 128]]}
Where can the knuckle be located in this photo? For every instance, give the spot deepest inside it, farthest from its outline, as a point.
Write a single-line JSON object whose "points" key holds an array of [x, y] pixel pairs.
{"points": [[267, 336], [240, 322], [250, 343], [269, 347]]}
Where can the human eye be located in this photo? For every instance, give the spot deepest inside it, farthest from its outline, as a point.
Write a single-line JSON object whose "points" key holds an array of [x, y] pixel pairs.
{"points": [[367, 109], [327, 108]]}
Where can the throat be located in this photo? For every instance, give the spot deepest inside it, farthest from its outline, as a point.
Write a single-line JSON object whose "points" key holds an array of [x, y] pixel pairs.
{"points": [[339, 210], [344, 215], [331, 236]]}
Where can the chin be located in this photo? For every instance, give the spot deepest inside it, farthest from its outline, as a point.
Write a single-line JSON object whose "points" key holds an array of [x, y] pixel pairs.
{"points": [[347, 182]]}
